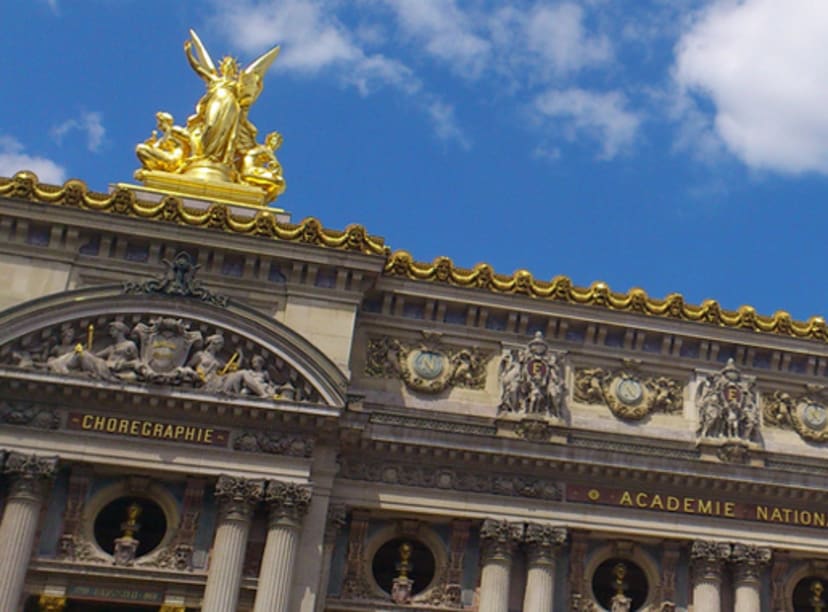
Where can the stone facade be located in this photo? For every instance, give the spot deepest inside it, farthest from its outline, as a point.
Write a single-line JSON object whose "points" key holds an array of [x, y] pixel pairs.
{"points": [[222, 411]]}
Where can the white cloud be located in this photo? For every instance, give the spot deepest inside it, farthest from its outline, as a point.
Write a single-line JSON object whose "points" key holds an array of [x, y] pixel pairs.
{"points": [[557, 36], [601, 116], [445, 123], [762, 65], [313, 40], [446, 33], [13, 159], [89, 123]]}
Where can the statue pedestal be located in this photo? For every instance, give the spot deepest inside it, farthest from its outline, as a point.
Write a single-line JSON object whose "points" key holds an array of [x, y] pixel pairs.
{"points": [[202, 202], [225, 192]]}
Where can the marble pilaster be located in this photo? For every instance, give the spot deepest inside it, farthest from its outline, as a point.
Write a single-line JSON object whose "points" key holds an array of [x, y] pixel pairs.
{"points": [[28, 475], [287, 502], [237, 499]]}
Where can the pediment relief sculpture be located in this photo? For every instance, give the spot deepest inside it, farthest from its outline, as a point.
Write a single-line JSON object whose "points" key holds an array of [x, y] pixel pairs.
{"points": [[160, 350], [532, 380], [806, 414], [627, 392], [427, 366], [728, 406]]}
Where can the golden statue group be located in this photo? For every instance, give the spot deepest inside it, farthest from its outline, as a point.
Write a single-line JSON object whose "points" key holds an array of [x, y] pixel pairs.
{"points": [[216, 153]]}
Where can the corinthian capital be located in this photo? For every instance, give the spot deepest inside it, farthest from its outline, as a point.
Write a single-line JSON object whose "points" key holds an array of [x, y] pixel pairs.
{"points": [[499, 539], [708, 558], [29, 473], [748, 561], [287, 500], [238, 496], [542, 542]]}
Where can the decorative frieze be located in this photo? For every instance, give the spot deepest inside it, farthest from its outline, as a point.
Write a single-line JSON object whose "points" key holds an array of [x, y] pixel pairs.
{"points": [[532, 380], [626, 392], [28, 414], [427, 366], [413, 475], [291, 445]]}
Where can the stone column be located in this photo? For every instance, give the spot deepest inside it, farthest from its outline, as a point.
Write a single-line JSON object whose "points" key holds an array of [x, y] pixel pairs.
{"points": [[237, 499], [288, 503], [748, 562], [542, 544], [708, 562], [29, 475], [498, 542]]}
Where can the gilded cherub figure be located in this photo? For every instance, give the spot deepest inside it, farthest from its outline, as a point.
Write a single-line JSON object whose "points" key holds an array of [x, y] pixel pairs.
{"points": [[168, 151], [261, 168]]}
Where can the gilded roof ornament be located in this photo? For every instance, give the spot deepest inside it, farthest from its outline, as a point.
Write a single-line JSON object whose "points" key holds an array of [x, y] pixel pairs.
{"points": [[215, 155]]}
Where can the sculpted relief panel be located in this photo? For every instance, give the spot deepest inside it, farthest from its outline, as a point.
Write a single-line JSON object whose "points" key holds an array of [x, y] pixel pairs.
{"points": [[628, 393], [532, 380], [159, 350], [427, 366], [806, 413], [728, 406]]}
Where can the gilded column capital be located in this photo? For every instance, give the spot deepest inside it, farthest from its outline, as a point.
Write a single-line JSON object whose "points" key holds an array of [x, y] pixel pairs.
{"points": [[51, 603], [499, 539], [542, 542], [172, 608], [748, 561], [29, 473], [288, 502], [238, 496], [708, 559]]}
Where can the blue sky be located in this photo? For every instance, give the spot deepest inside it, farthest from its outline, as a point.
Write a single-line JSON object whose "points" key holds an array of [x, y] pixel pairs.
{"points": [[673, 145]]}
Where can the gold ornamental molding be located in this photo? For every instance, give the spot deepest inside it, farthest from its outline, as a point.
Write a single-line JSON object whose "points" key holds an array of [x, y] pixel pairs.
{"points": [[219, 216], [264, 223]]}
